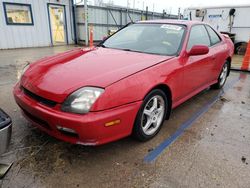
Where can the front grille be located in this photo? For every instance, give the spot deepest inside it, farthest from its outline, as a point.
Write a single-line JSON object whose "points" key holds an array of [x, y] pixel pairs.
{"points": [[41, 100], [36, 119]]}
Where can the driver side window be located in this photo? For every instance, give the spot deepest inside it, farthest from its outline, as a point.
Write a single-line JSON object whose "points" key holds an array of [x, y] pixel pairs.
{"points": [[198, 36]]}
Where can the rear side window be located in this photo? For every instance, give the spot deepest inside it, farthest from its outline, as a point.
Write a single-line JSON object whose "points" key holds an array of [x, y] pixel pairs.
{"points": [[213, 35], [198, 36]]}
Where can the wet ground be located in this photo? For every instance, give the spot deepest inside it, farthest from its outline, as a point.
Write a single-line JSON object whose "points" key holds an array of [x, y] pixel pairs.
{"points": [[213, 152]]}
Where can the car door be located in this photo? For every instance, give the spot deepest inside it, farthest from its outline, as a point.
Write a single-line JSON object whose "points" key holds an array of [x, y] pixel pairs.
{"points": [[217, 50], [197, 69]]}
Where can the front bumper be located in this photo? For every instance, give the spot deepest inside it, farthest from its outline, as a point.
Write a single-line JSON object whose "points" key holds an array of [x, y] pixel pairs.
{"points": [[90, 128], [5, 131]]}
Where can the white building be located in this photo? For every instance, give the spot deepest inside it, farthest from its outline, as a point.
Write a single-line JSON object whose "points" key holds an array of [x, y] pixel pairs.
{"points": [[35, 23]]}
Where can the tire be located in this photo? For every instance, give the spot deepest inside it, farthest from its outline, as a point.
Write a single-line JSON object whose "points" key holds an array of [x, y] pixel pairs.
{"points": [[151, 114], [222, 77], [240, 48]]}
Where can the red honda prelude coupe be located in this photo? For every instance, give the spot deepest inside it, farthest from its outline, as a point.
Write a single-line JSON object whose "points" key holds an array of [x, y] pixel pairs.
{"points": [[126, 85]]}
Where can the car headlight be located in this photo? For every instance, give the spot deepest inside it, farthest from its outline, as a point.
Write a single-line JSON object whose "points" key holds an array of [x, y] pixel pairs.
{"points": [[81, 101]]}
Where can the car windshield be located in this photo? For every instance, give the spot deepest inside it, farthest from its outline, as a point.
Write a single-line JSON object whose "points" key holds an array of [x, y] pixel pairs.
{"points": [[163, 39]]}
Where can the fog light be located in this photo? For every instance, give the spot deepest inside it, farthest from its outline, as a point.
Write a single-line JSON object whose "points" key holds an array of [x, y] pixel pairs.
{"points": [[115, 122], [65, 129]]}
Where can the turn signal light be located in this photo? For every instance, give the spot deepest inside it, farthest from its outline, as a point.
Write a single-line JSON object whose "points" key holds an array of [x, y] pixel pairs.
{"points": [[111, 123]]}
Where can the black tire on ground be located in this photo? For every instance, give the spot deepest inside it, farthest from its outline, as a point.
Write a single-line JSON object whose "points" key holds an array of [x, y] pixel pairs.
{"points": [[221, 81], [240, 48], [138, 132]]}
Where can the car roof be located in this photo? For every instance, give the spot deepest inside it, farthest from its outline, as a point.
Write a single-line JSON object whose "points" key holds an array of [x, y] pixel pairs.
{"points": [[172, 21]]}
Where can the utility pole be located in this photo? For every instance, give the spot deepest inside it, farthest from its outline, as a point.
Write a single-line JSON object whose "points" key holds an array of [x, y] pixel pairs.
{"points": [[153, 9], [74, 21], [179, 13], [133, 9], [86, 22], [127, 12]]}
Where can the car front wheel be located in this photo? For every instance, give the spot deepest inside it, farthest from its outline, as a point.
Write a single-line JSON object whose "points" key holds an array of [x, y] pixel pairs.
{"points": [[151, 115]]}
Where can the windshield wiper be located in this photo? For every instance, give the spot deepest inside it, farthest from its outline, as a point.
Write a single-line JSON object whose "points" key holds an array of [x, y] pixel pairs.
{"points": [[143, 52], [101, 45], [127, 49]]}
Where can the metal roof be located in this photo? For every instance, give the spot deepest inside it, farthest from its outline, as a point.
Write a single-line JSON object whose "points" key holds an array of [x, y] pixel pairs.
{"points": [[220, 6]]}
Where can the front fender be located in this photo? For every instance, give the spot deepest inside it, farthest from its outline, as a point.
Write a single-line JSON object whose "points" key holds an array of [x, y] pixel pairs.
{"points": [[135, 87]]}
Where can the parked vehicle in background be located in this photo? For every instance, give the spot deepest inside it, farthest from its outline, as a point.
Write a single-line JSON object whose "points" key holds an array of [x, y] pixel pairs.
{"points": [[5, 131], [5, 136], [127, 85], [231, 20]]}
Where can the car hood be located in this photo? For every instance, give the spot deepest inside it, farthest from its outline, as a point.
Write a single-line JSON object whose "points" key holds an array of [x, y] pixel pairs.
{"points": [[56, 77]]}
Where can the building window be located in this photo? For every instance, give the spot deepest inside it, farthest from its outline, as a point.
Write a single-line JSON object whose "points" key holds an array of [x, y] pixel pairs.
{"points": [[18, 14]]}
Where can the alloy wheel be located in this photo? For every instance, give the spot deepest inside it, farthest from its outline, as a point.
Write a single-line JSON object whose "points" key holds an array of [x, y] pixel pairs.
{"points": [[153, 114]]}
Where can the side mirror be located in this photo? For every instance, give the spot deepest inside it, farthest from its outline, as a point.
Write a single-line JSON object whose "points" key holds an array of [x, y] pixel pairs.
{"points": [[198, 50]]}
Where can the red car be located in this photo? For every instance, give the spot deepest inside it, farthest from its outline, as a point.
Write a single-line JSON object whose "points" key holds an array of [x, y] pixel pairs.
{"points": [[126, 85]]}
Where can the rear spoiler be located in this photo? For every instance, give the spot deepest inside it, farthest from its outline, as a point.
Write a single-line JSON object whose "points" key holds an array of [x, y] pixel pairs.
{"points": [[225, 35]]}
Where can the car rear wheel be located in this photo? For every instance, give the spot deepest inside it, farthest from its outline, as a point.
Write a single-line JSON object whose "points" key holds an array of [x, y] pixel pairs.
{"points": [[223, 77], [150, 116]]}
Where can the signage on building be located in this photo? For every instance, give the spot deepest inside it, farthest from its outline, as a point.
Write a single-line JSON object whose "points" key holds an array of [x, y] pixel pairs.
{"points": [[215, 16]]}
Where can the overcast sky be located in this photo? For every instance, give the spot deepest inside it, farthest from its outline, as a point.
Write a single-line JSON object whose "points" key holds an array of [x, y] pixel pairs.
{"points": [[173, 5]]}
